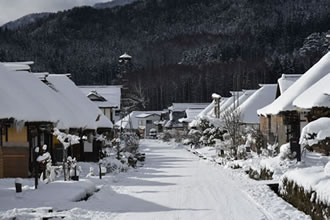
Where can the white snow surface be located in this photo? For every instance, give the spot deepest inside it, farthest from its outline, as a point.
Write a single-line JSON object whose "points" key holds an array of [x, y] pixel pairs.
{"points": [[286, 81], [236, 102], [130, 121], [88, 113], [112, 94], [172, 184], [319, 127], [315, 96], [25, 98], [183, 106], [262, 97], [285, 101], [312, 179]]}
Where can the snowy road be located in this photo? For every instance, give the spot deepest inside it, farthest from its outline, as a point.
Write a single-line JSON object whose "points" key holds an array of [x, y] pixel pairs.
{"points": [[174, 184]]}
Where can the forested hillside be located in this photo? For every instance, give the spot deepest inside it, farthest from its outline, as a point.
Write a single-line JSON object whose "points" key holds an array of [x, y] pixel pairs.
{"points": [[183, 50]]}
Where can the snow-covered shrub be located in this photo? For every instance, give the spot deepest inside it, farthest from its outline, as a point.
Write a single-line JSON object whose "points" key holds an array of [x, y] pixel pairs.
{"points": [[304, 199], [114, 165], [210, 133], [173, 134], [315, 136], [262, 174], [285, 151]]}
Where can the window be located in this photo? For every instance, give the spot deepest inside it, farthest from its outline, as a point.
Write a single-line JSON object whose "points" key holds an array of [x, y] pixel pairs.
{"points": [[149, 121]]}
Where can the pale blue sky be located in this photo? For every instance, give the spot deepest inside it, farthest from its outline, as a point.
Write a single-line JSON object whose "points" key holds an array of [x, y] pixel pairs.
{"points": [[12, 9]]}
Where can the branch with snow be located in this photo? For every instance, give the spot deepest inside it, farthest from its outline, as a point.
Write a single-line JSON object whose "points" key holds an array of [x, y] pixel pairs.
{"points": [[66, 139]]}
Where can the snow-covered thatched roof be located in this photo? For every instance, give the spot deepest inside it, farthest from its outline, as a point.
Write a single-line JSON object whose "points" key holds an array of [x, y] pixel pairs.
{"points": [[22, 97], [286, 81], [191, 114], [18, 66], [315, 96], [237, 100], [262, 97], [88, 114], [125, 56], [130, 121], [285, 101], [180, 107], [148, 114], [111, 94]]}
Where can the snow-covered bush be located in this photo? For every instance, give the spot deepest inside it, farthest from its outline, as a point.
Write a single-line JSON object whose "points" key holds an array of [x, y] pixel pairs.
{"points": [[173, 134], [114, 165], [315, 136]]}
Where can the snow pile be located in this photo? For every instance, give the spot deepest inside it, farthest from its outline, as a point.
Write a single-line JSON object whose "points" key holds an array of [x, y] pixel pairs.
{"points": [[312, 179], [57, 193], [315, 131]]}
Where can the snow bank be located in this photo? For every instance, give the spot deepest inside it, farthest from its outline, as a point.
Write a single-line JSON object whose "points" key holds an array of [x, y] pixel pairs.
{"points": [[312, 179], [315, 131], [51, 194]]}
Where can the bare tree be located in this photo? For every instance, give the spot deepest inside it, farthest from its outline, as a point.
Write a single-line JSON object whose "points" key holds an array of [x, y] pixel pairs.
{"points": [[231, 123]]}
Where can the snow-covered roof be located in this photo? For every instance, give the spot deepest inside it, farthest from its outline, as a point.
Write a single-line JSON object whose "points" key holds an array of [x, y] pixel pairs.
{"points": [[125, 56], [41, 75], [112, 95], [191, 114], [18, 66], [237, 100], [262, 97], [25, 98], [180, 107], [90, 117], [18, 100], [314, 96], [286, 81], [285, 101], [130, 121], [230, 100], [207, 112], [146, 115]]}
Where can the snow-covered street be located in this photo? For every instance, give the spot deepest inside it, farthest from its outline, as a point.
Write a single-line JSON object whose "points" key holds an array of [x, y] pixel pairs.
{"points": [[172, 184]]}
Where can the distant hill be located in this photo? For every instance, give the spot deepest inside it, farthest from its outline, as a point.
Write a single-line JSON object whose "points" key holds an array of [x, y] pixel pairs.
{"points": [[27, 19], [183, 50]]}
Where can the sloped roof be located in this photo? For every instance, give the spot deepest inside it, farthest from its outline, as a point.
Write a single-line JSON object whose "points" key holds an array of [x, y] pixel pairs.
{"points": [[18, 66], [286, 81], [285, 101], [191, 115], [183, 106], [125, 56], [112, 94], [145, 115], [262, 97], [242, 97], [89, 115], [315, 96], [131, 121], [17, 100]]}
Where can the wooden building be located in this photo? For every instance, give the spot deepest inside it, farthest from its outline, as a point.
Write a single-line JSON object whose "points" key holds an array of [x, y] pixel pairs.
{"points": [[282, 120], [30, 107]]}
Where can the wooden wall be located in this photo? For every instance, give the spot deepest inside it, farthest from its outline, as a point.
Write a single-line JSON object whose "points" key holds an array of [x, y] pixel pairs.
{"points": [[15, 161], [14, 154], [1, 163]]}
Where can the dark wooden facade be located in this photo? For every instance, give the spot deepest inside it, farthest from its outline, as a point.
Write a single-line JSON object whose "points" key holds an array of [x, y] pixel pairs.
{"points": [[280, 128]]}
